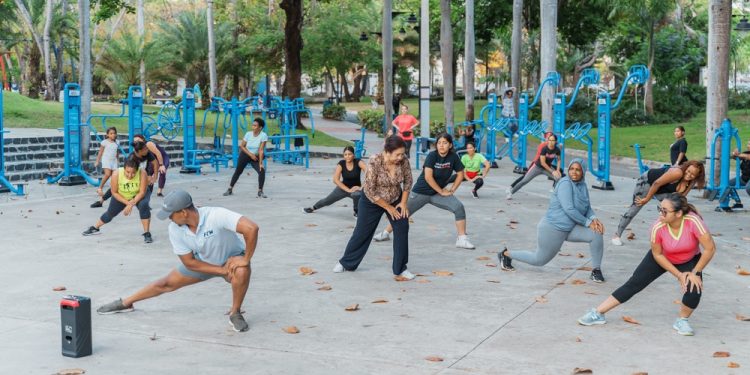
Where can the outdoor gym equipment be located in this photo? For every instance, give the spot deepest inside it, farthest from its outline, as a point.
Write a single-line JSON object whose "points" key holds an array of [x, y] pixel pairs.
{"points": [[193, 157], [724, 191], [287, 145], [560, 106], [234, 119], [359, 144], [526, 127], [5, 185], [132, 108], [423, 148], [72, 173], [167, 123]]}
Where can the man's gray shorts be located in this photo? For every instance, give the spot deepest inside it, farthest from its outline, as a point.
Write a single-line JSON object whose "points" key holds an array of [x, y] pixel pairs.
{"points": [[184, 271]]}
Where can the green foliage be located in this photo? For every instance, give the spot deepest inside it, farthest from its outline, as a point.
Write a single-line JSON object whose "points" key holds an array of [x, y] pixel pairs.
{"points": [[739, 100], [371, 119], [261, 39], [122, 60], [334, 112], [108, 8]]}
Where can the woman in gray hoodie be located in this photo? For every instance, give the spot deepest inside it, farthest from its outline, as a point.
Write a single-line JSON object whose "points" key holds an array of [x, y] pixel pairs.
{"points": [[569, 218]]}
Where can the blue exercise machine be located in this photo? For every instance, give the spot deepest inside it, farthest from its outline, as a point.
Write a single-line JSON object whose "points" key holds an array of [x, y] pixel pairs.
{"points": [[559, 114], [72, 173], [5, 185], [360, 150], [288, 144], [132, 108], [194, 157], [724, 191]]}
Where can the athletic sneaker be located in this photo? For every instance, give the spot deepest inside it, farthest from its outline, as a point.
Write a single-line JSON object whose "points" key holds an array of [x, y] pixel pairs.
{"points": [[355, 213], [159, 194], [505, 262], [382, 236], [474, 194], [309, 210], [738, 205], [508, 194], [338, 268], [407, 275], [114, 307], [682, 327], [616, 241], [238, 323], [227, 193], [596, 276], [463, 242], [591, 318], [147, 237], [91, 231], [96, 204], [261, 194]]}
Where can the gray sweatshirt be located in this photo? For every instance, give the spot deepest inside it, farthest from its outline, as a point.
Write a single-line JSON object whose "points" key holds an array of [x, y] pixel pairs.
{"points": [[569, 205]]}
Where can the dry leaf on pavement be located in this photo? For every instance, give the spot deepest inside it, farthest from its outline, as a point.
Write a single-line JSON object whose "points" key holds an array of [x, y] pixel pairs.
{"points": [[353, 307], [733, 365], [483, 258], [59, 288], [311, 225], [579, 370], [541, 299], [742, 272], [380, 301], [433, 358], [577, 282], [491, 265], [630, 320], [563, 254], [592, 293], [306, 271], [640, 373], [742, 318], [630, 236], [513, 221], [580, 255], [721, 354], [423, 281], [584, 268], [746, 238], [71, 371], [325, 287], [291, 329], [494, 281], [320, 282], [442, 273], [579, 339]]}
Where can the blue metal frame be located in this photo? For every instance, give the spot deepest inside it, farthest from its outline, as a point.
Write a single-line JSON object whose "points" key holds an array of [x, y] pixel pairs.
{"points": [[137, 122], [724, 191], [72, 173], [5, 185], [561, 105], [360, 150]]}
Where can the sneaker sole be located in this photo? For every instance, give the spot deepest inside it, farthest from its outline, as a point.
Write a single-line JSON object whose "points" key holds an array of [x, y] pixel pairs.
{"points": [[91, 234], [130, 309], [596, 323], [237, 330], [507, 269], [683, 333], [596, 281]]}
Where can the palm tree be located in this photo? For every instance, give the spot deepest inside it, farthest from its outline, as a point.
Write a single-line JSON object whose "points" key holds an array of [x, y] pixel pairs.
{"points": [[446, 57], [548, 51], [126, 55], [469, 60], [719, 16]]}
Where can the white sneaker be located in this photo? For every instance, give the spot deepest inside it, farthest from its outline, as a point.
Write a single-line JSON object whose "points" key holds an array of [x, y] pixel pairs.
{"points": [[407, 275], [616, 241], [338, 268], [382, 236], [508, 194], [463, 242]]}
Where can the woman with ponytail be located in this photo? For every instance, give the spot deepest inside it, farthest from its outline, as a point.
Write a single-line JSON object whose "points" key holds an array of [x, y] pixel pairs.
{"points": [[676, 241]]}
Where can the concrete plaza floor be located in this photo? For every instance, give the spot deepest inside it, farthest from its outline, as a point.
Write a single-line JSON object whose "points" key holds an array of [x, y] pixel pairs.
{"points": [[478, 320]]}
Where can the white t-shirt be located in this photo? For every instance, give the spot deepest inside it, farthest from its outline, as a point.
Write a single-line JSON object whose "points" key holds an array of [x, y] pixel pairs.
{"points": [[508, 110], [253, 143], [215, 240], [109, 157]]}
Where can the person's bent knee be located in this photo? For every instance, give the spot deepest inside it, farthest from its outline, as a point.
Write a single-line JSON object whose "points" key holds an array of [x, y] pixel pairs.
{"points": [[460, 212], [691, 299], [400, 224], [106, 218]]}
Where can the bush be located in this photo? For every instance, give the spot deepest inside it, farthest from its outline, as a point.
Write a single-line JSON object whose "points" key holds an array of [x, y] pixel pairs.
{"points": [[371, 119], [334, 112], [739, 100]]}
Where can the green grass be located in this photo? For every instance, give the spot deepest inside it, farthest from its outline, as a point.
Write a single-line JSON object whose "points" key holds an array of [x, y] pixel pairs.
{"points": [[23, 112]]}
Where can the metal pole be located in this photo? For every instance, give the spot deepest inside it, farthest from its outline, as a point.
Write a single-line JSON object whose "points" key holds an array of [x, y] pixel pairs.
{"points": [[387, 62], [424, 68]]}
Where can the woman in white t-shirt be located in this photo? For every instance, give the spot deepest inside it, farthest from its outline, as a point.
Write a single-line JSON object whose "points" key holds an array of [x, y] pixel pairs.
{"points": [[253, 147], [107, 157]]}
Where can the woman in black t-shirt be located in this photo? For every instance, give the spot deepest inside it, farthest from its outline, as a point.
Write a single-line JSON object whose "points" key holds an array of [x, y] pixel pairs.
{"points": [[347, 179], [430, 187], [678, 149], [546, 164]]}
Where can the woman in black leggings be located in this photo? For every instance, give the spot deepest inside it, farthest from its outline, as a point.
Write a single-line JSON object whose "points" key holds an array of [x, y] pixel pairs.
{"points": [[676, 240], [253, 146], [348, 181]]}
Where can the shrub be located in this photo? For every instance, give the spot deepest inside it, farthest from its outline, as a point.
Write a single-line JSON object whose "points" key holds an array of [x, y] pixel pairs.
{"points": [[334, 112], [371, 119], [739, 100]]}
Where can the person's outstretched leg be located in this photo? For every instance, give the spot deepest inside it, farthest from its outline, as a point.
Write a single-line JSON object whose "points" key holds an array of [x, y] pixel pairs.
{"points": [[336, 195], [256, 164], [549, 241], [530, 175], [641, 189], [595, 241], [415, 203], [173, 281]]}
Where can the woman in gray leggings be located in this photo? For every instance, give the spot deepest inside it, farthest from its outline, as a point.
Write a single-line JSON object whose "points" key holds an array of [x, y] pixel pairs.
{"points": [[347, 178], [569, 218], [543, 165]]}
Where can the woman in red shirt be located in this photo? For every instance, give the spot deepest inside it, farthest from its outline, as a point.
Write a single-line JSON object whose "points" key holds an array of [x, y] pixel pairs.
{"points": [[676, 239], [404, 125]]}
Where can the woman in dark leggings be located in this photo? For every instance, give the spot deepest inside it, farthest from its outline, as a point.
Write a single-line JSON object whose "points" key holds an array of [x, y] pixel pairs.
{"points": [[676, 239], [347, 178], [129, 189], [546, 164], [253, 146], [154, 162], [162, 158]]}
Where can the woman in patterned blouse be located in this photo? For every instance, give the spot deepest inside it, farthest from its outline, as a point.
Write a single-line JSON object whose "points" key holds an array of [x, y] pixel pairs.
{"points": [[386, 190]]}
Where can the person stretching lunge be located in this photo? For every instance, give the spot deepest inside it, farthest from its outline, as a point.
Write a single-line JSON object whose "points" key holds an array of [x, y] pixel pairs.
{"points": [[347, 178], [210, 242]]}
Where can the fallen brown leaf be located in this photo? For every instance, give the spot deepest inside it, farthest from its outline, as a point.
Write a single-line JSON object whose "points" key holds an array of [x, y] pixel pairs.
{"points": [[291, 329], [742, 272], [742, 318], [584, 268], [483, 258], [325, 287], [512, 226], [640, 373], [513, 221], [564, 254], [307, 271], [560, 283], [353, 307], [423, 281], [592, 293], [630, 320], [630, 236], [579, 370], [733, 365], [541, 299], [420, 275], [491, 265], [400, 278], [494, 281], [59, 288], [746, 238], [580, 255], [442, 273], [721, 354], [71, 371], [577, 282], [311, 225], [320, 282], [380, 301], [433, 358], [579, 339]]}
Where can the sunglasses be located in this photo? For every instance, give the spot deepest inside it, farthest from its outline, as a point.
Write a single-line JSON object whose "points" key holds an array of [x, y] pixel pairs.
{"points": [[662, 211]]}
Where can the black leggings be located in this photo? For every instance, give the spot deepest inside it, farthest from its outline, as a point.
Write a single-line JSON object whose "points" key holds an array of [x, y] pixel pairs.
{"points": [[478, 183], [648, 271], [243, 161], [115, 207]]}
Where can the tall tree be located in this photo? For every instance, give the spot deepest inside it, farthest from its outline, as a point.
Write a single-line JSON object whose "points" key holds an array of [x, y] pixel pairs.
{"points": [[141, 28], [387, 71], [515, 50], [40, 41], [717, 100], [48, 79], [211, 49], [84, 62], [446, 58], [469, 60], [293, 47], [548, 59]]}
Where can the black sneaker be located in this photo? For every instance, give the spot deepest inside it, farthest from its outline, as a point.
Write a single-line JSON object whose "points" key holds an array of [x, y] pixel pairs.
{"points": [[91, 231], [505, 262], [261, 194], [596, 276], [96, 204], [738, 205], [147, 237], [227, 193], [474, 194], [355, 213], [238, 323], [159, 194], [309, 210]]}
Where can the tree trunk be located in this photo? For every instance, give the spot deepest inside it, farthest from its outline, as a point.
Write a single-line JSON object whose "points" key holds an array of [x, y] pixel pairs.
{"points": [[719, 16], [345, 87], [648, 99], [515, 50], [22, 53], [357, 86], [84, 61], [548, 58], [114, 25], [469, 60], [39, 42], [446, 56], [293, 47], [48, 79], [141, 26], [33, 73], [60, 57], [387, 33], [235, 45], [211, 49]]}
